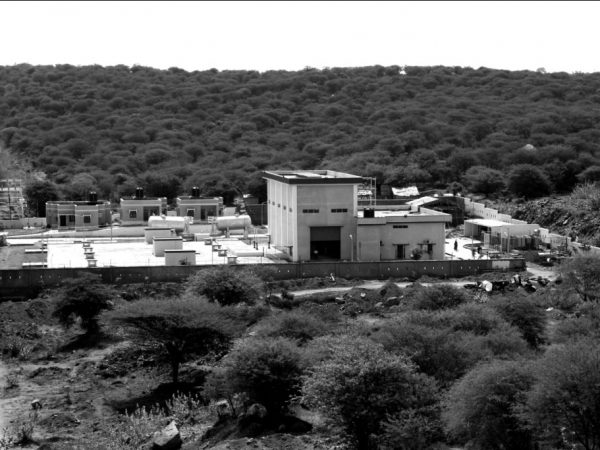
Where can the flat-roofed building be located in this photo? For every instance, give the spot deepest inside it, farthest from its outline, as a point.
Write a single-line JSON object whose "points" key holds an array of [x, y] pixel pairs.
{"points": [[415, 233], [200, 208], [89, 214], [312, 213], [138, 209]]}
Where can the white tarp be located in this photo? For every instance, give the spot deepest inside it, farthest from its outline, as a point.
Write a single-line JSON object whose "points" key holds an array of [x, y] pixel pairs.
{"points": [[410, 191]]}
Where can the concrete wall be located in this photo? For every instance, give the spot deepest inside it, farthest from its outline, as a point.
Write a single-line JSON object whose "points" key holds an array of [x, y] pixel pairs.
{"points": [[29, 281]]}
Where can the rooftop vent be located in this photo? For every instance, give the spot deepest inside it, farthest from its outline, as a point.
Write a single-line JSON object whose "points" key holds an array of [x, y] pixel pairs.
{"points": [[196, 192], [93, 197]]}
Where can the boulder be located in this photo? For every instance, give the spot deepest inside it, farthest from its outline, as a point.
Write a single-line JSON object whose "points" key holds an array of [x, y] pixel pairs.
{"points": [[168, 438]]}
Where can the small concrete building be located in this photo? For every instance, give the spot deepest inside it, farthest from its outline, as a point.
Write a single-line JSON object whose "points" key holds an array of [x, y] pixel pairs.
{"points": [[394, 235], [138, 209], [89, 214], [200, 208]]}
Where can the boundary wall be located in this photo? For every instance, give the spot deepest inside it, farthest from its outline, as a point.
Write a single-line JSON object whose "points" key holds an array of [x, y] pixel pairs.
{"points": [[22, 282]]}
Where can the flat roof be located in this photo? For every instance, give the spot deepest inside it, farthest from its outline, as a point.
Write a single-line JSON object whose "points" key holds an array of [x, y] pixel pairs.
{"points": [[404, 213], [490, 223], [78, 202], [312, 177]]}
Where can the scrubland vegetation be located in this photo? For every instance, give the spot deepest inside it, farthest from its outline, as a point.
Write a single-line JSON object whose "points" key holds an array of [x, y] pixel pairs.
{"points": [[391, 368], [110, 129]]}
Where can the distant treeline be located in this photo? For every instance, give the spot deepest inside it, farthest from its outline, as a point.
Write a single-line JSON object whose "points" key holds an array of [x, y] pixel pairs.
{"points": [[110, 129]]}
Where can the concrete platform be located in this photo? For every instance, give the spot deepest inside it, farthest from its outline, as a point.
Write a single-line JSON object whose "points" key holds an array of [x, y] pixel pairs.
{"points": [[64, 253]]}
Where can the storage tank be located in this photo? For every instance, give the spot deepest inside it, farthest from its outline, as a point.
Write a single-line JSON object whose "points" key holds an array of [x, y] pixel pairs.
{"points": [[233, 222], [174, 222]]}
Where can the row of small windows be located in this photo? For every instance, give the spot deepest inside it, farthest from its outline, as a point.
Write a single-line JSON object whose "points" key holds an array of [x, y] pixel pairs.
{"points": [[400, 226], [340, 210], [310, 211]]}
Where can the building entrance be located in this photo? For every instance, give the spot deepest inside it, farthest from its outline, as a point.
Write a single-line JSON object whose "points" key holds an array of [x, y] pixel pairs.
{"points": [[324, 243]]}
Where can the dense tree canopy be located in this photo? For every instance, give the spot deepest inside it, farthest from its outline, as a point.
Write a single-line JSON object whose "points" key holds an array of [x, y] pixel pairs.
{"points": [[219, 129]]}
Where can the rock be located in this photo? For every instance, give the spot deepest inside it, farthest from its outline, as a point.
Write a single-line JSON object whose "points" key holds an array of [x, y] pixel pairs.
{"points": [[379, 305], [168, 438], [36, 404], [256, 410]]}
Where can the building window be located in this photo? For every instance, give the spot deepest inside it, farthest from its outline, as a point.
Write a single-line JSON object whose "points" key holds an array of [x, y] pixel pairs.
{"points": [[133, 214], [339, 210], [279, 205], [290, 209], [310, 211], [190, 212], [400, 226], [72, 218], [87, 219], [284, 207]]}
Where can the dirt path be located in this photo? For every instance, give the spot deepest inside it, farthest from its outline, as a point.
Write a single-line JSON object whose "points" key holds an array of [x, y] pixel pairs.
{"points": [[373, 285]]}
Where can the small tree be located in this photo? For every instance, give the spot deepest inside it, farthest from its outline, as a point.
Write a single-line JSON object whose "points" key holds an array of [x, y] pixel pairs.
{"points": [[296, 325], [360, 386], [183, 328], [84, 298], [37, 193], [267, 371], [480, 409], [484, 180], [564, 404], [528, 181], [225, 285]]}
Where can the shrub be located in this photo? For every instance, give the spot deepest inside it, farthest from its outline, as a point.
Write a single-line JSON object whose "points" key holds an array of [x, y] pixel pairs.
{"points": [[563, 405], [441, 296], [359, 386], [267, 371], [528, 181], [480, 409], [295, 325], [224, 285], [524, 314]]}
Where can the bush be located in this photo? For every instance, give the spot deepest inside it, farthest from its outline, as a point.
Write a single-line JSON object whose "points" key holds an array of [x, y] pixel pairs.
{"points": [[526, 180], [562, 406], [359, 386], [484, 180], [480, 409], [524, 314], [441, 296], [296, 325], [266, 371], [225, 285]]}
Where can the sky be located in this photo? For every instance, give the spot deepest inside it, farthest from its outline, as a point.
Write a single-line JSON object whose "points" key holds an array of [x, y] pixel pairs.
{"points": [[286, 35]]}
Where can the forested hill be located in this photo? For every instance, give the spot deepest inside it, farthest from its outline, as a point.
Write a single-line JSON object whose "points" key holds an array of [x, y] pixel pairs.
{"points": [[112, 128]]}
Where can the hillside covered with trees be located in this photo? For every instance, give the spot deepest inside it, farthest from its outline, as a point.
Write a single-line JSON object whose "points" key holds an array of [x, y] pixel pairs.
{"points": [[112, 128]]}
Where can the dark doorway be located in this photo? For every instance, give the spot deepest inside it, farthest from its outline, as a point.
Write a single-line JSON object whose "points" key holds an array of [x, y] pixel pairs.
{"points": [[150, 211], [324, 243], [63, 221]]}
